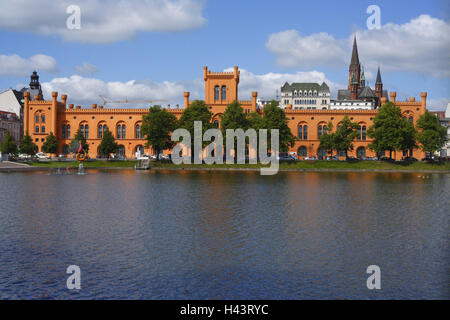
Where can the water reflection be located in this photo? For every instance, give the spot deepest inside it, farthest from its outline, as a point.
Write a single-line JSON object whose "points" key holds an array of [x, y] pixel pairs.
{"points": [[216, 235]]}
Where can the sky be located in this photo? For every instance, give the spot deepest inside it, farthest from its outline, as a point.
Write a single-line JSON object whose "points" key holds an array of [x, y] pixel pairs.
{"points": [[155, 49]]}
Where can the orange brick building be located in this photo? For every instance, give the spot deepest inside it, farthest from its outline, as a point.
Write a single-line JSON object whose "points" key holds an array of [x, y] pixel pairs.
{"points": [[221, 88]]}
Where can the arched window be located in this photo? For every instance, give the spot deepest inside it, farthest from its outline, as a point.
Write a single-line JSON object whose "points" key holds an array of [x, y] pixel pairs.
{"points": [[43, 129], [137, 133], [37, 129], [216, 124], [121, 150], [124, 131], [303, 132], [359, 134], [82, 129], [37, 118], [216, 93], [100, 131], [68, 131], [299, 93], [63, 131], [119, 131], [319, 131], [325, 129], [361, 152], [43, 118], [364, 133], [224, 93], [322, 154], [86, 131], [411, 119], [302, 152]]}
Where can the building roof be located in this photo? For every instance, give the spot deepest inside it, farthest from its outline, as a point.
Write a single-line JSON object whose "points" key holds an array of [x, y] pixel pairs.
{"points": [[305, 86], [366, 92], [10, 103]]}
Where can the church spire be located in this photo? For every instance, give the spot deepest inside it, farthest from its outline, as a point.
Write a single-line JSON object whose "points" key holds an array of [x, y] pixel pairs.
{"points": [[378, 77], [355, 57]]}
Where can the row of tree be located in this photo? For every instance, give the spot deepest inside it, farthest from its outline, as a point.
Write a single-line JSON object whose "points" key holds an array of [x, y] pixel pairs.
{"points": [[159, 123], [390, 132]]}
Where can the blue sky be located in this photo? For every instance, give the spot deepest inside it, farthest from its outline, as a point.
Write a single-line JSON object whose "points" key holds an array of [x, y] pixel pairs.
{"points": [[163, 62]]}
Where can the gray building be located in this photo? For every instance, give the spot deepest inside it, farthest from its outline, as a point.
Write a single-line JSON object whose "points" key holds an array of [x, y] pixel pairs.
{"points": [[10, 122], [307, 95]]}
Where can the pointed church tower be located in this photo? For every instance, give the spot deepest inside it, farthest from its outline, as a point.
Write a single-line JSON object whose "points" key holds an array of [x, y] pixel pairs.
{"points": [[355, 67], [379, 85]]}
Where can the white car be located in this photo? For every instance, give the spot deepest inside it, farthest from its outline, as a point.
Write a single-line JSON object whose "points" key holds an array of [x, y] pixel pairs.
{"points": [[41, 155], [24, 156]]}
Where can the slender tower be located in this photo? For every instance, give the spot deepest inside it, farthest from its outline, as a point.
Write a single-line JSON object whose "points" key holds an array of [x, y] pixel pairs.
{"points": [[355, 67]]}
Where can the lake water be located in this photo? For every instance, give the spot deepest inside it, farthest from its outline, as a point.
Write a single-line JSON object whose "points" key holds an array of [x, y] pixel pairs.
{"points": [[224, 235]]}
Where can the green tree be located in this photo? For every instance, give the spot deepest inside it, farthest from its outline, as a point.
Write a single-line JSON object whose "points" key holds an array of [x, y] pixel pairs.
{"points": [[51, 144], [343, 138], [75, 143], [8, 145], [27, 146], [387, 130], [408, 137], [157, 126], [197, 111], [432, 136], [327, 140], [108, 144], [274, 118], [255, 121], [233, 118]]}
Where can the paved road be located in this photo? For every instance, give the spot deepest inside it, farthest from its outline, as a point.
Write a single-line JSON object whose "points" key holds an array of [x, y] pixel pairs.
{"points": [[12, 165]]}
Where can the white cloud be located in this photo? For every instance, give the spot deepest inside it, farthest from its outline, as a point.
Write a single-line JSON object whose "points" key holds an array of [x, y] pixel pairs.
{"points": [[86, 91], [15, 65], [438, 104], [418, 46], [86, 69], [101, 21], [293, 50], [267, 84]]}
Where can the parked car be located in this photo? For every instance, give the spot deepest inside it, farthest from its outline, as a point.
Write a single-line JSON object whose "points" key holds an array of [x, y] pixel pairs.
{"points": [[41, 155], [410, 159], [293, 155], [24, 156], [142, 157], [311, 158], [284, 156]]}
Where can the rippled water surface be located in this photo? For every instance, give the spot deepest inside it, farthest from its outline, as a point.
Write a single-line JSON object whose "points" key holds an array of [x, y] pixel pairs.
{"points": [[224, 235]]}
